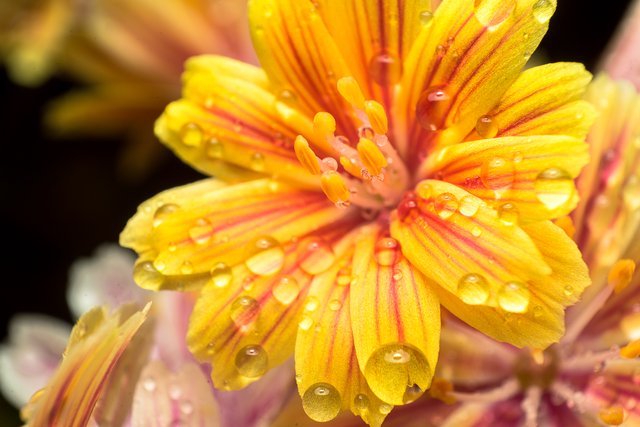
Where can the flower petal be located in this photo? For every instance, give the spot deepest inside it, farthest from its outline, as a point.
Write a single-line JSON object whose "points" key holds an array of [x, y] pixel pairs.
{"points": [[534, 175], [618, 385], [97, 342], [164, 398], [245, 323], [227, 114], [395, 317], [187, 231], [473, 52], [546, 100], [329, 378]]}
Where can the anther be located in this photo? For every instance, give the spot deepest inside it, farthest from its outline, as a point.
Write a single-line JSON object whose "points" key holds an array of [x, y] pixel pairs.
{"points": [[620, 274], [631, 350], [324, 125], [371, 156], [350, 90], [335, 188], [306, 156], [377, 117], [351, 166]]}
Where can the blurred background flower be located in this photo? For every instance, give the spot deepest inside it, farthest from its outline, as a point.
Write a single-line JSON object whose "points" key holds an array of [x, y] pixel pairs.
{"points": [[62, 197]]}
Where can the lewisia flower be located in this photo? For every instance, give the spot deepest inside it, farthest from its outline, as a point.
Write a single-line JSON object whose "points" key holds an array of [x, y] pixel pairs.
{"points": [[387, 158], [592, 376]]}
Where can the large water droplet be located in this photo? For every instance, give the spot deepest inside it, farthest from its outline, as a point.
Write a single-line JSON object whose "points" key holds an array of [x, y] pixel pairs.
{"points": [[321, 402], [163, 212], [391, 367], [361, 402], [469, 205], [554, 187], [387, 251], [514, 297], [487, 127], [446, 204], [473, 289], [252, 361], [492, 13], [543, 10], [497, 173], [385, 68], [286, 290], [191, 135], [316, 255], [244, 311], [508, 213], [147, 276], [265, 256], [432, 108], [221, 275], [201, 232]]}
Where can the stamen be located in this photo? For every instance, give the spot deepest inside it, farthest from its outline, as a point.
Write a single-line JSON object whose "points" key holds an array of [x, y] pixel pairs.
{"points": [[351, 166], [371, 157], [631, 350], [621, 274], [350, 90], [504, 392], [324, 125], [377, 117], [306, 156], [530, 405], [588, 361], [335, 188], [612, 415], [574, 398]]}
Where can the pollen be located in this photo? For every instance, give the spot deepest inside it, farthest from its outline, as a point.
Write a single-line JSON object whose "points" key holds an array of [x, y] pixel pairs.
{"points": [[306, 156], [371, 157], [621, 274], [350, 90]]}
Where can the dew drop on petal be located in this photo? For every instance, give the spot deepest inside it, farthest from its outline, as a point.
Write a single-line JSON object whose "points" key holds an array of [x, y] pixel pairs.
{"points": [[473, 289], [244, 311], [286, 290], [424, 190], [186, 268], [385, 68], [147, 276], [469, 205], [491, 14], [568, 290], [311, 304], [497, 173], [432, 108], [554, 187], [257, 162], [425, 17], [252, 361], [265, 256], [476, 231], [191, 135], [445, 204], [305, 323], [631, 193], [335, 305], [486, 127], [316, 255], [201, 232], [186, 407], [344, 276], [149, 384], [385, 408], [361, 402], [514, 297], [387, 251], [322, 402], [508, 213], [214, 148], [221, 275], [543, 10], [163, 212]]}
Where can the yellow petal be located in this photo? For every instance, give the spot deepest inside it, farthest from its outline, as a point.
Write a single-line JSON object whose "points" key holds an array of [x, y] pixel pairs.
{"points": [[532, 174], [545, 100], [543, 321], [328, 375], [395, 317], [97, 343], [472, 52], [187, 231]]}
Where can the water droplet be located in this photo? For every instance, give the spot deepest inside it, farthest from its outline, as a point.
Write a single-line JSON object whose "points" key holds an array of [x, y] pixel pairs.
{"points": [[441, 51], [311, 304], [517, 157], [335, 305], [476, 231], [265, 256], [424, 190], [328, 164], [486, 127], [175, 392], [286, 290], [385, 68], [491, 14], [252, 361], [446, 204], [257, 162], [406, 205], [161, 214], [191, 135], [432, 108], [221, 275], [391, 367], [147, 276], [554, 187], [469, 205], [201, 232], [316, 255], [385, 408], [508, 213], [387, 251], [186, 268], [497, 173], [538, 311], [361, 402], [366, 132], [425, 17], [287, 96], [344, 276], [305, 323], [149, 384], [543, 10], [473, 289], [186, 407], [514, 297], [322, 402], [244, 311], [568, 290], [214, 148], [397, 274], [631, 193]]}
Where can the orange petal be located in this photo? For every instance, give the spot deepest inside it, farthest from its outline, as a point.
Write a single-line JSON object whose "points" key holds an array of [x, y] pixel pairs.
{"points": [[96, 344], [245, 323], [473, 51], [544, 100], [328, 375], [187, 231], [533, 175], [395, 317]]}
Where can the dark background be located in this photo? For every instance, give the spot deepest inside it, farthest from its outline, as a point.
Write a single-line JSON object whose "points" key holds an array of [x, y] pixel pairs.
{"points": [[60, 199]]}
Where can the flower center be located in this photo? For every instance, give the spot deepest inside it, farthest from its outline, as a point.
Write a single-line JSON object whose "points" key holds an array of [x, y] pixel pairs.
{"points": [[535, 368]]}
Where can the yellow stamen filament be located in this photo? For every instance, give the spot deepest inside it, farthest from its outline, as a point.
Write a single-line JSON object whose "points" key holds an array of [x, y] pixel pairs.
{"points": [[350, 90], [306, 156], [324, 125], [334, 187], [377, 117], [371, 156], [351, 166], [612, 416], [631, 350], [621, 274]]}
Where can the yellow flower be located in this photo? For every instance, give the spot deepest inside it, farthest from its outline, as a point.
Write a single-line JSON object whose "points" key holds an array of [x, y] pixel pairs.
{"points": [[386, 159]]}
